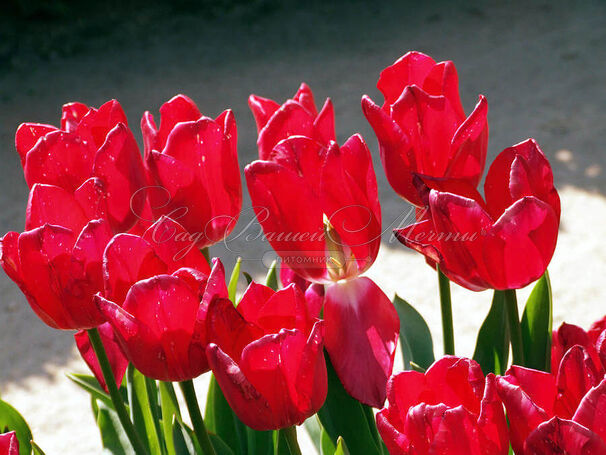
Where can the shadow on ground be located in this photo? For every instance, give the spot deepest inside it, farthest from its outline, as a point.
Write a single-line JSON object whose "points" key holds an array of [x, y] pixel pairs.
{"points": [[540, 64]]}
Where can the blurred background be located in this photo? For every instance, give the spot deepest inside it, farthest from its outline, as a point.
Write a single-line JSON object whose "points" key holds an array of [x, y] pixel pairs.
{"points": [[541, 64]]}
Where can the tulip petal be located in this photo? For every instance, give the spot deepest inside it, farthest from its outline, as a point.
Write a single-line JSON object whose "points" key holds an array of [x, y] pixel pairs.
{"points": [[539, 386], [179, 108], [27, 135], [324, 124], [9, 444], [409, 69], [591, 412], [443, 80], [92, 197], [575, 377], [117, 360], [305, 98], [97, 123], [262, 110], [362, 329], [563, 436], [53, 205], [72, 114], [394, 440]]}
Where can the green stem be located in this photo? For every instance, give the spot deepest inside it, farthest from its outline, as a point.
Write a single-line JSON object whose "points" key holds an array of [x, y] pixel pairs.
{"points": [[446, 309], [189, 393], [290, 436], [515, 328], [114, 393]]}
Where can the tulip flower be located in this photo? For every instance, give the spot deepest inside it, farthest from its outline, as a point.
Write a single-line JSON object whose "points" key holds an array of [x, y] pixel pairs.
{"points": [[192, 161], [161, 326], [557, 408], [115, 355], [267, 356], [319, 209], [296, 117], [450, 409], [9, 444], [93, 145], [422, 129], [504, 242], [57, 261], [593, 341]]}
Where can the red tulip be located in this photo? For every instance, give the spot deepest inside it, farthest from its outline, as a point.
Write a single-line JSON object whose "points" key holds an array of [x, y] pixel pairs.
{"points": [[115, 355], [296, 117], [58, 267], [422, 129], [504, 243], [307, 190], [451, 409], [544, 407], [162, 324], [9, 444], [267, 356], [569, 335], [194, 163], [91, 144]]}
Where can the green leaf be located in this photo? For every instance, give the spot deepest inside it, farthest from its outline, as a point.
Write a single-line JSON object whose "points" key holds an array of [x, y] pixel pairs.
{"points": [[145, 404], [344, 416], [314, 430], [113, 437], [12, 420], [221, 420], [232, 287], [219, 445], [184, 443], [259, 442], [36, 449], [170, 410], [415, 337], [91, 385], [492, 345], [271, 280], [537, 321], [249, 279], [327, 447], [341, 447]]}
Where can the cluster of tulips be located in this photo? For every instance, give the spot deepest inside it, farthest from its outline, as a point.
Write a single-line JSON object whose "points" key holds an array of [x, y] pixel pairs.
{"points": [[116, 243]]}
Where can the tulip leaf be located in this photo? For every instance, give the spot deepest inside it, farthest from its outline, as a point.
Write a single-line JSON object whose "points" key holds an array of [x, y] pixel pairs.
{"points": [[537, 321], [327, 447], [271, 280], [314, 430], [221, 420], [12, 420], [415, 337], [249, 279], [183, 440], [170, 410], [91, 385], [341, 447], [232, 287], [344, 416], [36, 449], [221, 448], [259, 442], [113, 437], [145, 405], [492, 345]]}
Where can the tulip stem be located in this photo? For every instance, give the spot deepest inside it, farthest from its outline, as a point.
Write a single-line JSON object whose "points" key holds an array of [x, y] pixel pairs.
{"points": [[446, 309], [189, 393], [289, 434], [515, 329], [114, 393]]}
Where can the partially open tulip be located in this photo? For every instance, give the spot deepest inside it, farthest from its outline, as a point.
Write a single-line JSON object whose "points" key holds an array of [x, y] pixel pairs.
{"points": [[57, 261], [422, 129], [593, 341], [161, 325], [296, 117], [562, 410], [192, 164], [451, 409], [267, 356], [115, 354], [505, 242], [91, 144], [9, 444], [319, 209]]}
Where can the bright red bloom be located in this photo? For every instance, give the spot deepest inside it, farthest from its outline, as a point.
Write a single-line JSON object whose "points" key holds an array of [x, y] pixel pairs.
{"points": [[115, 355], [58, 266], [593, 341], [93, 145], [296, 117], [9, 444], [563, 410], [422, 129], [451, 409], [193, 162], [267, 356], [504, 243], [162, 324], [318, 206]]}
